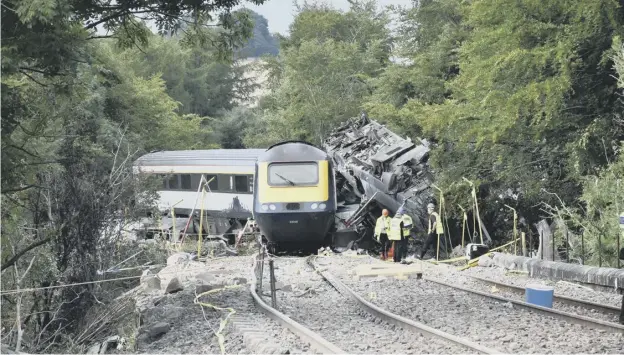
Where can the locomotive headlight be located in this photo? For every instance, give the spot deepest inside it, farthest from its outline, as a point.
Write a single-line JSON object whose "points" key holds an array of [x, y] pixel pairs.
{"points": [[314, 206], [264, 207], [272, 207], [322, 206]]}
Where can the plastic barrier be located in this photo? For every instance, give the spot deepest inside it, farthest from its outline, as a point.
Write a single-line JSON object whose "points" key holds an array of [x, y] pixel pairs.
{"points": [[540, 295]]}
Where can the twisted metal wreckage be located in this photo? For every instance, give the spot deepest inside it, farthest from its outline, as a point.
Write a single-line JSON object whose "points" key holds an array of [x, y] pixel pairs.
{"points": [[375, 169]]}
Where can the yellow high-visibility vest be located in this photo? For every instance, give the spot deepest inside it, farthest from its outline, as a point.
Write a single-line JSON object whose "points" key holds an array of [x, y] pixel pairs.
{"points": [[395, 228], [407, 225], [382, 226], [439, 227]]}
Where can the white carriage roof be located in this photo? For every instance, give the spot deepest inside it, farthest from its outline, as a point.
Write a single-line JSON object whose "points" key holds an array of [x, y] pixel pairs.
{"points": [[212, 157]]}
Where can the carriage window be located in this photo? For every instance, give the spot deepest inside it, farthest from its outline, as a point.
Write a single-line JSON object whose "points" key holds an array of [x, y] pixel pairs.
{"points": [[173, 182], [213, 185], [293, 174], [224, 183], [185, 181], [241, 184]]}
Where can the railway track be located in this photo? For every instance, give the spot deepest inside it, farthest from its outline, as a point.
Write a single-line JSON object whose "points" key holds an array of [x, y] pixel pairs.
{"points": [[490, 320], [581, 307], [315, 341], [397, 320]]}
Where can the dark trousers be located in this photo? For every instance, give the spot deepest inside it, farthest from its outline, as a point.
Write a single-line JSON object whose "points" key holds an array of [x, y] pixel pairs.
{"points": [[396, 256], [404, 247], [431, 240], [383, 239]]}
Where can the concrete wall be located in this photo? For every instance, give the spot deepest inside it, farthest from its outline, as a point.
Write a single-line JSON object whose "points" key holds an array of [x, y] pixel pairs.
{"points": [[606, 277]]}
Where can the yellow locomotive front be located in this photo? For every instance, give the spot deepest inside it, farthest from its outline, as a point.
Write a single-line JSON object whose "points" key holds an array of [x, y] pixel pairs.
{"points": [[294, 195]]}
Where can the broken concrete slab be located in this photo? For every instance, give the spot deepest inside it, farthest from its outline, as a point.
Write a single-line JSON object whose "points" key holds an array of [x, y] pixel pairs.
{"points": [[174, 286], [605, 277], [151, 283]]}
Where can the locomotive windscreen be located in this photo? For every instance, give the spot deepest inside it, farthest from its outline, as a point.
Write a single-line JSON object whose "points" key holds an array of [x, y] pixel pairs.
{"points": [[293, 174]]}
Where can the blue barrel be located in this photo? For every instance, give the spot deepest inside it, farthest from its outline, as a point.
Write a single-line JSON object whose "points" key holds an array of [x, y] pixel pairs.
{"points": [[540, 295]]}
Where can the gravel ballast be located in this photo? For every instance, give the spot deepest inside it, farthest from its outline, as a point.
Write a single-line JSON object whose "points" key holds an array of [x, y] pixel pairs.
{"points": [[248, 331], [306, 298], [486, 321]]}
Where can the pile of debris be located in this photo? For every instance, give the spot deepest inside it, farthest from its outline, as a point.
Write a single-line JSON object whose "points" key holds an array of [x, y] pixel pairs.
{"points": [[377, 169]]}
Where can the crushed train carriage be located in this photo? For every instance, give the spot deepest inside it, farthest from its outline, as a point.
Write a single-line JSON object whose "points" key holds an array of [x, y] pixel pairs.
{"points": [[377, 169]]}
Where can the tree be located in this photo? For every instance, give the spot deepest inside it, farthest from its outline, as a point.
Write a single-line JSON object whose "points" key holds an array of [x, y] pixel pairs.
{"points": [[261, 42], [193, 76], [321, 75], [520, 101]]}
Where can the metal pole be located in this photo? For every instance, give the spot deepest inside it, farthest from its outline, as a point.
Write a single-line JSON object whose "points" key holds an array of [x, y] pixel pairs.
{"points": [[567, 245], [542, 246], [583, 247], [599, 250], [464, 222], [272, 275], [524, 248], [260, 268], [201, 224], [530, 242]]}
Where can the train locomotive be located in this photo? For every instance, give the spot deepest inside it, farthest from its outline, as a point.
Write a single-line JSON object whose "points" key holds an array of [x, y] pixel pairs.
{"points": [[294, 196]]}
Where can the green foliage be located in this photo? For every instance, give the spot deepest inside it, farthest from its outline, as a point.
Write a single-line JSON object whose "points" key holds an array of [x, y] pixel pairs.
{"points": [[321, 75], [521, 101], [77, 110]]}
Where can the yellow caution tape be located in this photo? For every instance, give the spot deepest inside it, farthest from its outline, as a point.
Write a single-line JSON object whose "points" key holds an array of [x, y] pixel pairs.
{"points": [[223, 322]]}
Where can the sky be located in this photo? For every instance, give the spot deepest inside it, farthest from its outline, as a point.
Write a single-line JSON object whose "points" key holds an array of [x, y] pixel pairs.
{"points": [[280, 13]]}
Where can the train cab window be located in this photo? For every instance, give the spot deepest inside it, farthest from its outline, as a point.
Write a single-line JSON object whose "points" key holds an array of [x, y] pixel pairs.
{"points": [[185, 181], [224, 183], [293, 174], [241, 183], [172, 182], [213, 185]]}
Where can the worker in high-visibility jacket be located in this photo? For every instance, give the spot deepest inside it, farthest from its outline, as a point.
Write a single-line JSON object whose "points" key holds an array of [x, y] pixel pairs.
{"points": [[400, 230], [406, 228], [382, 228], [435, 229]]}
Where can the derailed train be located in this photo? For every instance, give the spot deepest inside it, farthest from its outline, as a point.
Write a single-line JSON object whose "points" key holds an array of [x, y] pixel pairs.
{"points": [[294, 195], [305, 196]]}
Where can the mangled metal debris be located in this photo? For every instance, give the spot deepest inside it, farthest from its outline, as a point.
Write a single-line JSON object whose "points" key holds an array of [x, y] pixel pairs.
{"points": [[373, 164]]}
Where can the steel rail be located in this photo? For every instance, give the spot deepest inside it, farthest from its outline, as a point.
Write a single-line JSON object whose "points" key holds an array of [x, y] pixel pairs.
{"points": [[397, 319], [605, 308], [316, 341], [569, 317]]}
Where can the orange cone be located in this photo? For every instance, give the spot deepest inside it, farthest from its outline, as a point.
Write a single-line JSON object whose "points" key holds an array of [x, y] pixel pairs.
{"points": [[391, 252]]}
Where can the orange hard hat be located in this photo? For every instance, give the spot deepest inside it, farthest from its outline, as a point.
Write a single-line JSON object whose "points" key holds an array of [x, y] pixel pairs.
{"points": [[385, 212]]}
